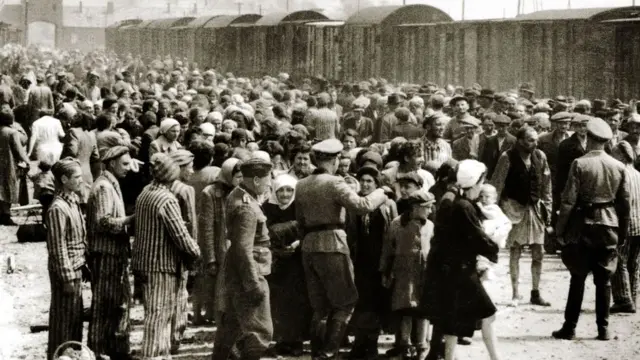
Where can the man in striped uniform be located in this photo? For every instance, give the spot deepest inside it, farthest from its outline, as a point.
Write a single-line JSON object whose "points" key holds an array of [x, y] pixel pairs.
{"points": [[66, 244], [110, 249], [187, 200], [163, 248], [246, 321], [624, 283]]}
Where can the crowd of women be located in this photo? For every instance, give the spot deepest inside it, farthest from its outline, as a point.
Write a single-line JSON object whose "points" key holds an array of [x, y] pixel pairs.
{"points": [[153, 151]]}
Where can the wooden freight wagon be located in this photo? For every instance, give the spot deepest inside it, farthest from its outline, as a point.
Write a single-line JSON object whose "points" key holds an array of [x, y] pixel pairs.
{"points": [[324, 49], [219, 47], [162, 35], [119, 40], [140, 36], [188, 37], [279, 42], [369, 39], [587, 53]]}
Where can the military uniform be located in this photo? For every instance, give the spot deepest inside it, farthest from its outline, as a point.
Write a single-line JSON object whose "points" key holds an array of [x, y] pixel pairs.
{"points": [[593, 219], [321, 199], [246, 321]]}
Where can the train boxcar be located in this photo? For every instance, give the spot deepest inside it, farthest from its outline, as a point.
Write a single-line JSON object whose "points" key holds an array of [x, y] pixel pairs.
{"points": [[369, 42], [137, 38], [163, 35], [582, 52], [324, 49], [278, 42], [219, 48], [187, 36]]}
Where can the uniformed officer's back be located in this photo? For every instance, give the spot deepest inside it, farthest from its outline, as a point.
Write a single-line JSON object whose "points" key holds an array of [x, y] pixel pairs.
{"points": [[600, 176]]}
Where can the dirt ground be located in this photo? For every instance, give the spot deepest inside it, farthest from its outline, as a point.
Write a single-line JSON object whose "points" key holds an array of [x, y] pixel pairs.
{"points": [[523, 332]]}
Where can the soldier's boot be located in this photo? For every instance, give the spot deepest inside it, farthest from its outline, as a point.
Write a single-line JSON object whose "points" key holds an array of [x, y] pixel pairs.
{"points": [[318, 333], [336, 330], [221, 352]]}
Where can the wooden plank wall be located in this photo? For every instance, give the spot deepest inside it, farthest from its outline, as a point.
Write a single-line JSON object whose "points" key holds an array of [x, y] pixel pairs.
{"points": [[558, 58], [323, 52]]}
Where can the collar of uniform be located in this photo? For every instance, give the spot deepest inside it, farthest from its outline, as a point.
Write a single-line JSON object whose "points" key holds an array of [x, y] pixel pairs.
{"points": [[70, 197], [249, 192]]}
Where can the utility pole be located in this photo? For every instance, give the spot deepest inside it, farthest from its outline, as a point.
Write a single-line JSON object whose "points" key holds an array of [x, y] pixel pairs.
{"points": [[463, 6], [239, 8], [568, 4], [519, 7], [287, 6], [260, 9], [26, 23]]}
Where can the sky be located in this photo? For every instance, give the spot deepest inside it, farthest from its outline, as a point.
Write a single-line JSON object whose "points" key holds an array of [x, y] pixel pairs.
{"points": [[341, 9]]}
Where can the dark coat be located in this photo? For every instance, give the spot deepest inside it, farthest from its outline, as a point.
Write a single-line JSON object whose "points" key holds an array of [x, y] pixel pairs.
{"points": [[569, 150], [492, 150], [454, 298]]}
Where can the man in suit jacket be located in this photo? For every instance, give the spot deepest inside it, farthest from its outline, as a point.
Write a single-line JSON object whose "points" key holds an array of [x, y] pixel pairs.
{"points": [[614, 120], [467, 147], [498, 144], [570, 149]]}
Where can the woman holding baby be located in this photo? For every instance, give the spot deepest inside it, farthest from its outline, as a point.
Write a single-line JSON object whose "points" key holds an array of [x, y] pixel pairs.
{"points": [[454, 299]]}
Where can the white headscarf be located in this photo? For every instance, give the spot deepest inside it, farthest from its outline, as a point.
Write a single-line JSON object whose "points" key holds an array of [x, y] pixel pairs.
{"points": [[278, 183], [469, 173], [167, 124]]}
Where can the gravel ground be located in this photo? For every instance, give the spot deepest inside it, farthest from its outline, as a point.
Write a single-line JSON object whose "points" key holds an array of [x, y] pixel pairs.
{"points": [[523, 332]]}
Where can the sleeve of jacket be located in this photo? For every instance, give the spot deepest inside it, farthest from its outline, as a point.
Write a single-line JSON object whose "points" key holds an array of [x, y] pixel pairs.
{"points": [[105, 203], [242, 236], [187, 201], [206, 224], [388, 249], [500, 172], [350, 200], [172, 220], [568, 199], [57, 245], [71, 144], [153, 148], [547, 195], [18, 149], [623, 207]]}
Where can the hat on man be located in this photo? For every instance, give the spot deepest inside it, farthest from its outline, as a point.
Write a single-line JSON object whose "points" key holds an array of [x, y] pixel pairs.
{"points": [[371, 156], [633, 118], [599, 129], [454, 100], [511, 100], [471, 93], [182, 157], [358, 106], [256, 167], [617, 104], [421, 198], [393, 99], [470, 121], [371, 171], [327, 148], [562, 116], [487, 94], [61, 75], [163, 168], [560, 98], [108, 153], [599, 104], [526, 87], [581, 119], [411, 176]]}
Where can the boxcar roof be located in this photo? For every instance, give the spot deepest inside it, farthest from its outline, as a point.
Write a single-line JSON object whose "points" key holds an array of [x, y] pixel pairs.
{"points": [[562, 14], [395, 15], [144, 24], [123, 23], [326, 23], [168, 23], [297, 16], [228, 20], [198, 22]]}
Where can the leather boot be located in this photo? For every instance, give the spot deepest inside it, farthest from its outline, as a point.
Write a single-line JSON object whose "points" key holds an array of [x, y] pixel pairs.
{"points": [[335, 334], [318, 333], [221, 352], [436, 345], [536, 299]]}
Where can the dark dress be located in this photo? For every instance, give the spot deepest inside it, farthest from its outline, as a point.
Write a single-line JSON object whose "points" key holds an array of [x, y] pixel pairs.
{"points": [[454, 298], [290, 308]]}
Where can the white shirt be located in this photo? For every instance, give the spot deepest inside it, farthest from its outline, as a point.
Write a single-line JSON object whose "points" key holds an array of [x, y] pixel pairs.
{"points": [[46, 133]]}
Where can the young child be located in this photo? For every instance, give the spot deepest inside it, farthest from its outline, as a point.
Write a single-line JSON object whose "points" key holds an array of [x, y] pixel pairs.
{"points": [[408, 183], [497, 225], [403, 264], [43, 185]]}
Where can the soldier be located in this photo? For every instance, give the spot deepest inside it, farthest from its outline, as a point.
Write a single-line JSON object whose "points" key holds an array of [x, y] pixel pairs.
{"points": [[320, 202], [246, 321], [110, 249], [593, 222]]}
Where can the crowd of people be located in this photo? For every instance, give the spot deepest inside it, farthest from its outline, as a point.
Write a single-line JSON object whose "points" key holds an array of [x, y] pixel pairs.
{"points": [[287, 210]]}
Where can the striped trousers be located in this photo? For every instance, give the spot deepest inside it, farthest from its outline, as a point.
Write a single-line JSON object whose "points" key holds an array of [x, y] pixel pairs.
{"points": [[110, 303], [65, 313], [160, 295], [179, 319], [624, 283]]}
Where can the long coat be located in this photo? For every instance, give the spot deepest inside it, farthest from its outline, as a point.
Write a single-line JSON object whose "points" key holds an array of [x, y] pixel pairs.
{"points": [[11, 153], [79, 144], [492, 150], [453, 297]]}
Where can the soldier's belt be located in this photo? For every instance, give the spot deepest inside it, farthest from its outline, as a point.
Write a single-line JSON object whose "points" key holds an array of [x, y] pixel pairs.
{"points": [[323, 227]]}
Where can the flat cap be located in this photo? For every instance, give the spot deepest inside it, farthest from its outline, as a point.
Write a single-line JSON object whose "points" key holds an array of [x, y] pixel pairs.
{"points": [[371, 156], [634, 118], [470, 121], [581, 119], [454, 100], [369, 170], [182, 157], [471, 92], [329, 147], [358, 106], [599, 129], [528, 88], [411, 176], [487, 93], [256, 167], [421, 198], [562, 116]]}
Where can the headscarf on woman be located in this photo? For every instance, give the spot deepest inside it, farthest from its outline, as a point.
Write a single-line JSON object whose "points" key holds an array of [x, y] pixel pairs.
{"points": [[167, 124], [227, 171], [283, 180]]}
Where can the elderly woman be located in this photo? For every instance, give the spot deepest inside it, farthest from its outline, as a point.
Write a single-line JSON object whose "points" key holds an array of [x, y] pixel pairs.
{"points": [[454, 299], [13, 159], [167, 140], [291, 312], [365, 237]]}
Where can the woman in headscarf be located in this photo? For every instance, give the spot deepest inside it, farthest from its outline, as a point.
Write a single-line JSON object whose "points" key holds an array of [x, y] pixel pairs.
{"points": [[454, 299], [290, 308], [167, 140], [212, 239], [13, 160], [365, 235]]}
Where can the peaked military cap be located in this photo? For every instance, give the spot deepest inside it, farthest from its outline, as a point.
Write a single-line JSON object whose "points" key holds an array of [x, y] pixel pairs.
{"points": [[329, 147], [599, 129], [256, 167]]}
